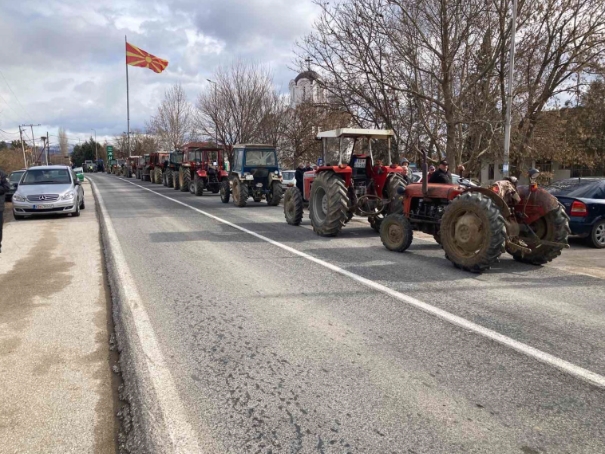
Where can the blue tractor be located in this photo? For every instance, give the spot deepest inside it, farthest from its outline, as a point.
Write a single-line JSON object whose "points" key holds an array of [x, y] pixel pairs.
{"points": [[255, 174]]}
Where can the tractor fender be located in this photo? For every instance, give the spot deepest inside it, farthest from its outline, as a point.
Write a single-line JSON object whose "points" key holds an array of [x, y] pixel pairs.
{"points": [[499, 201], [538, 196], [223, 174], [202, 173]]}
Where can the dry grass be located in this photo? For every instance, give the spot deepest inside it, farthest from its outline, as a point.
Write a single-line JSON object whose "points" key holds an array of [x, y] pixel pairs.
{"points": [[11, 160]]}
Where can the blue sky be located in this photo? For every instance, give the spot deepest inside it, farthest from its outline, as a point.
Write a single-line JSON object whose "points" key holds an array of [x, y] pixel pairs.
{"points": [[62, 61]]}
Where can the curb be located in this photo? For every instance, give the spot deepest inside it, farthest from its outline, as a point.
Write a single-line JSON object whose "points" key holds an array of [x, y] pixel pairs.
{"points": [[132, 438]]}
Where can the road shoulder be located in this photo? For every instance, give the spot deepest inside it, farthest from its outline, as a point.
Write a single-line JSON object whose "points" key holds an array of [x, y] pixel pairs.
{"points": [[55, 365]]}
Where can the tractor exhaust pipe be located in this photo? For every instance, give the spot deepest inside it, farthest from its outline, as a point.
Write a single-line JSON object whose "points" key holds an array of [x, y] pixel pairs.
{"points": [[425, 183]]}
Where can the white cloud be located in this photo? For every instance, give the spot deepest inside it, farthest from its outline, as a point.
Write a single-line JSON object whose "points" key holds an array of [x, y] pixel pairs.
{"points": [[64, 59]]}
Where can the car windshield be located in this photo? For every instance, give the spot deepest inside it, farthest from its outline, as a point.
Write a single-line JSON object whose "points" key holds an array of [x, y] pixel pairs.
{"points": [[288, 175], [15, 177], [47, 176], [576, 188], [260, 158]]}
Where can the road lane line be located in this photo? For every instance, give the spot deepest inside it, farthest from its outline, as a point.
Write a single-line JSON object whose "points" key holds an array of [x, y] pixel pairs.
{"points": [[181, 434], [546, 358]]}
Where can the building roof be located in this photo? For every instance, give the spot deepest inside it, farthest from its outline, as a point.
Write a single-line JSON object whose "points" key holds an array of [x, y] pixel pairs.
{"points": [[309, 75]]}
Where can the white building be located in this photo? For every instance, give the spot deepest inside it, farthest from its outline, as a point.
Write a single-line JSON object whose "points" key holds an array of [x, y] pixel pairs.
{"points": [[306, 87]]}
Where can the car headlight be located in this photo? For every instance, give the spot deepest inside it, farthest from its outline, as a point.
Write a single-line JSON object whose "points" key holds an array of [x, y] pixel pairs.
{"points": [[68, 195], [18, 198]]}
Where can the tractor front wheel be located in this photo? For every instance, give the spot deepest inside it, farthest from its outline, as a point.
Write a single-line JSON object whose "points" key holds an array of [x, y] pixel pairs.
{"points": [[225, 191], [376, 222], [472, 232], [240, 193], [293, 206], [169, 178], [198, 185], [396, 232], [274, 197], [328, 204], [552, 227]]}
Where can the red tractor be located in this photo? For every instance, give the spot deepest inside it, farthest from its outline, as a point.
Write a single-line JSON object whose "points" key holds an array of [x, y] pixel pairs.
{"points": [[130, 167], [154, 166], [336, 191], [202, 168], [475, 225]]}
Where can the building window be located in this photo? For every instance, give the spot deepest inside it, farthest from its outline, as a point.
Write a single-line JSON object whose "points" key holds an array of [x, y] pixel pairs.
{"points": [[490, 172]]}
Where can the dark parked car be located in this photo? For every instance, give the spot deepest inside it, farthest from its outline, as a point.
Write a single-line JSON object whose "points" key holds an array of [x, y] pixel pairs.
{"points": [[13, 181], [584, 201]]}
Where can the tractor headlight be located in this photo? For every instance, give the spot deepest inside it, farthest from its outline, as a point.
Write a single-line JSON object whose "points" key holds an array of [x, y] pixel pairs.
{"points": [[249, 177]]}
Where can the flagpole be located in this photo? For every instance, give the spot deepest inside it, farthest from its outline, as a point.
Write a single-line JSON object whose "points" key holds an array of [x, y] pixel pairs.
{"points": [[127, 97]]}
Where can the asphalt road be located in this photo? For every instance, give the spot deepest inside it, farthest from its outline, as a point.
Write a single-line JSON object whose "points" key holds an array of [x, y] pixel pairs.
{"points": [[271, 352]]}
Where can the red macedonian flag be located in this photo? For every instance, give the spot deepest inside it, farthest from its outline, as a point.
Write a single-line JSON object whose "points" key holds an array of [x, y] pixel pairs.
{"points": [[138, 57]]}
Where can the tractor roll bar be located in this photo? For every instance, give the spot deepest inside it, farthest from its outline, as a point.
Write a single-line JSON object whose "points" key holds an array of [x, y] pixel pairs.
{"points": [[356, 134]]}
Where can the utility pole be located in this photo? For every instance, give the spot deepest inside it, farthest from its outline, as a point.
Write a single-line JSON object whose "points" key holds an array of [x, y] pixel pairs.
{"points": [[33, 137], [509, 94], [22, 147], [47, 147]]}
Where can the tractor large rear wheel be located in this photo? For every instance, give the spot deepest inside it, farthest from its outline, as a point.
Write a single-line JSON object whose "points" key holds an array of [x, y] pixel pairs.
{"points": [[396, 232], [185, 179], [240, 193], [274, 197], [328, 204], [472, 232], [225, 191], [395, 182], [553, 227], [176, 181], [293, 206]]}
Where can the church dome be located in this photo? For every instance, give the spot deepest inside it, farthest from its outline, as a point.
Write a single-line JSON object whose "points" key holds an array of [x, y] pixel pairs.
{"points": [[309, 75]]}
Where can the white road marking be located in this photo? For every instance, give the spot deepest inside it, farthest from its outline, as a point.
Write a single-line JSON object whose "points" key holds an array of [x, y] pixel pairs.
{"points": [[179, 430], [546, 358]]}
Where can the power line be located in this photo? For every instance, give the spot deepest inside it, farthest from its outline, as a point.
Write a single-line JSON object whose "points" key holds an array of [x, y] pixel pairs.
{"points": [[10, 107], [16, 97], [7, 132]]}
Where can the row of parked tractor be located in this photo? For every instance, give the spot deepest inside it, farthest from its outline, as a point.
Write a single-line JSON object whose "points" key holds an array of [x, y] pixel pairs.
{"points": [[474, 225]]}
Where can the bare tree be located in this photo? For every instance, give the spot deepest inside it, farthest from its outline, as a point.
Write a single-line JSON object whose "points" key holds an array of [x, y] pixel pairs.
{"points": [[174, 121], [241, 105], [557, 41], [63, 142]]}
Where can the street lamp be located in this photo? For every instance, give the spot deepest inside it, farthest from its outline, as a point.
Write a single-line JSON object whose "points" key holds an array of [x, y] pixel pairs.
{"points": [[509, 94], [96, 146]]}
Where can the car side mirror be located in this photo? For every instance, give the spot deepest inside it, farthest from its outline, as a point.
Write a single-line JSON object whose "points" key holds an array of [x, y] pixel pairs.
{"points": [[16, 185], [77, 182]]}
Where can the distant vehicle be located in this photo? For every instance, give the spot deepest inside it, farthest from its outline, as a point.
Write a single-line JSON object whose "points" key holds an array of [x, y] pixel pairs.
{"points": [[48, 190], [88, 166], [13, 181], [79, 171], [289, 180], [456, 179], [584, 202]]}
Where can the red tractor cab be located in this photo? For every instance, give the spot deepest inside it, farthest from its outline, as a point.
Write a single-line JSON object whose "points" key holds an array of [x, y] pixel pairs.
{"points": [[341, 188], [202, 168]]}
